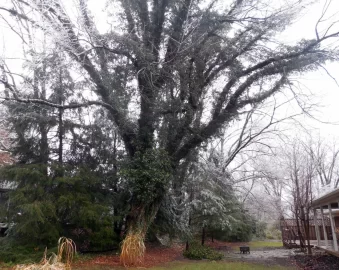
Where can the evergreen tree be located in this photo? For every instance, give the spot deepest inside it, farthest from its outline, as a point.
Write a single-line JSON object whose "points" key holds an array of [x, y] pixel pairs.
{"points": [[66, 176]]}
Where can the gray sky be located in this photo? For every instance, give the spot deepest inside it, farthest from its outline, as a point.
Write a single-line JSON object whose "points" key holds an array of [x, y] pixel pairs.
{"points": [[322, 88]]}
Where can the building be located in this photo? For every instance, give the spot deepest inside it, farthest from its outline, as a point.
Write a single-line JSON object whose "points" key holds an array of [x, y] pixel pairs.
{"points": [[327, 206]]}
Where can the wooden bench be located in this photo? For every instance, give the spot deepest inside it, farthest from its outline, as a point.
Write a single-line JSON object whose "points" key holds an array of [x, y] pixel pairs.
{"points": [[244, 250]]}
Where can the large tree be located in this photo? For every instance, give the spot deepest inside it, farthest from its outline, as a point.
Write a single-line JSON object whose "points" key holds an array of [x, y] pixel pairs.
{"points": [[170, 73]]}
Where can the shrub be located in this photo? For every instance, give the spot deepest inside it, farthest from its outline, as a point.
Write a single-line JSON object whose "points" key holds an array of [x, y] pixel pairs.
{"points": [[260, 230], [44, 207], [61, 260], [273, 233], [10, 252], [241, 229], [198, 252], [240, 232]]}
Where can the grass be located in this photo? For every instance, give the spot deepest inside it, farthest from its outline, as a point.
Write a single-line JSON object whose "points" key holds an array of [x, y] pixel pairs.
{"points": [[132, 249], [219, 266], [66, 251], [201, 266], [97, 267]]}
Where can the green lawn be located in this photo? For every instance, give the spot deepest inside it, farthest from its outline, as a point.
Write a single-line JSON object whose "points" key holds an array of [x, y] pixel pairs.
{"points": [[201, 266], [219, 266]]}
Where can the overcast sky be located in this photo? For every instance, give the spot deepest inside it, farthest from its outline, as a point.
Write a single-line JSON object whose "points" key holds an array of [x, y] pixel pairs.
{"points": [[324, 90], [319, 83]]}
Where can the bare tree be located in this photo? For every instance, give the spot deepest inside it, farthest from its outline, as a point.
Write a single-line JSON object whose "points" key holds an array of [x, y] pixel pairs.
{"points": [[302, 176], [326, 158]]}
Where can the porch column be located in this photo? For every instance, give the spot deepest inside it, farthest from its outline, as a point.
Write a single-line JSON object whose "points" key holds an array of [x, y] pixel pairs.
{"points": [[335, 244], [323, 223], [317, 232]]}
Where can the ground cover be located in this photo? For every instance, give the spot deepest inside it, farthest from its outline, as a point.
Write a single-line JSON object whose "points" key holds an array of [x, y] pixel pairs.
{"points": [[184, 265], [264, 255], [318, 262], [219, 266], [155, 255]]}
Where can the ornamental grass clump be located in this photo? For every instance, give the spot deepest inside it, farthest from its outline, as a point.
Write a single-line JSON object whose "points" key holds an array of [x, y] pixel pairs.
{"points": [[66, 251], [133, 249], [60, 261]]}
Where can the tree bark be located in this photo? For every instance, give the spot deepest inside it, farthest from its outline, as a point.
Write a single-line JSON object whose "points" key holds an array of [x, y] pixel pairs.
{"points": [[60, 118], [307, 231]]}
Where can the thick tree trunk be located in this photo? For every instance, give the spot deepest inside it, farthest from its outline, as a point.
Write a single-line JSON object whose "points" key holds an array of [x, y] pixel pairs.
{"points": [[133, 246], [149, 172]]}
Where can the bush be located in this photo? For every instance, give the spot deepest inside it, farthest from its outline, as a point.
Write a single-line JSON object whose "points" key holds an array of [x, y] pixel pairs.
{"points": [[240, 232], [14, 254], [273, 233], [44, 207], [241, 229], [260, 230], [198, 252]]}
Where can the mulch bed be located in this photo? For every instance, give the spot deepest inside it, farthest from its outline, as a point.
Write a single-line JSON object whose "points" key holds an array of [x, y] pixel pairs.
{"points": [[155, 255], [317, 262], [158, 255]]}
